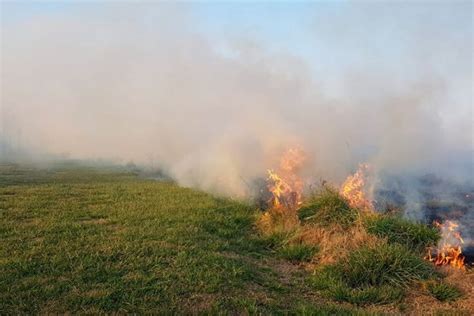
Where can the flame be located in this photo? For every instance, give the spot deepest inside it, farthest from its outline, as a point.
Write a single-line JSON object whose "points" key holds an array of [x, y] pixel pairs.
{"points": [[353, 188], [449, 251], [286, 186]]}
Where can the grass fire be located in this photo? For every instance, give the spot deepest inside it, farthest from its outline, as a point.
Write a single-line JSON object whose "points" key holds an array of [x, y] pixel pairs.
{"points": [[450, 250], [236, 157], [358, 254]]}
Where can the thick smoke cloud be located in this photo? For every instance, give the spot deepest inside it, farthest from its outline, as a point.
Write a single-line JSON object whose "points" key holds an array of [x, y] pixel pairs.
{"points": [[142, 83]]}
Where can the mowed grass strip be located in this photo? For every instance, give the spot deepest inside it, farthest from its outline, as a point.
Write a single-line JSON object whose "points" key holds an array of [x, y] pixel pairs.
{"points": [[91, 241]]}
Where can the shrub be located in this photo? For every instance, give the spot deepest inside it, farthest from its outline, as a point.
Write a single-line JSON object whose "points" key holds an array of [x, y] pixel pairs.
{"points": [[402, 231], [327, 207], [390, 264], [444, 292], [298, 252]]}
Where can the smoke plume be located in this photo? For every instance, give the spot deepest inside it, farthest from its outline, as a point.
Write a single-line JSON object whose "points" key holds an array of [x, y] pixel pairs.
{"points": [[388, 84]]}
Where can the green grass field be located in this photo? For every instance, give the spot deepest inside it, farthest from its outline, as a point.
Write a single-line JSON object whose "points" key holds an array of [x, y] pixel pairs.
{"points": [[96, 240]]}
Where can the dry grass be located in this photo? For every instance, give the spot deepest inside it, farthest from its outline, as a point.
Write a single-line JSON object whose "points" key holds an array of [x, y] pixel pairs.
{"points": [[418, 301], [278, 221], [336, 242]]}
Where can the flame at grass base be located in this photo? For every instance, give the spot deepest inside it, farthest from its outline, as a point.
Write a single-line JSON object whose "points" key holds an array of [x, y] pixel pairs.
{"points": [[286, 186], [353, 188], [449, 251]]}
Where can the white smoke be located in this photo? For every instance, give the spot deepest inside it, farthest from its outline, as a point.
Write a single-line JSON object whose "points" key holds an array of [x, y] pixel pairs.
{"points": [[140, 82]]}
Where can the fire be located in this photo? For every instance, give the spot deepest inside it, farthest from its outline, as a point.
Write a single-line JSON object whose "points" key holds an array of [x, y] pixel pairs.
{"points": [[279, 188], [449, 251], [353, 188], [286, 186]]}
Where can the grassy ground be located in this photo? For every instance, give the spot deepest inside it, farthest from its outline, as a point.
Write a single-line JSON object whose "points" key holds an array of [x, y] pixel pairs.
{"points": [[92, 240], [87, 240]]}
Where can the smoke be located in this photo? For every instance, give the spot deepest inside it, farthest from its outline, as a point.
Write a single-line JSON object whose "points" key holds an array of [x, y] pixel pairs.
{"points": [[385, 83]]}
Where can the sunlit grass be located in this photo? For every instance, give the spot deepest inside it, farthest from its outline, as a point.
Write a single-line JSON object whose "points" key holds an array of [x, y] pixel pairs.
{"points": [[83, 240]]}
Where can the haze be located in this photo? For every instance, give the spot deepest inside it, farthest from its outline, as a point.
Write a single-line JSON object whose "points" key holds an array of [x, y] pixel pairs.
{"points": [[213, 93]]}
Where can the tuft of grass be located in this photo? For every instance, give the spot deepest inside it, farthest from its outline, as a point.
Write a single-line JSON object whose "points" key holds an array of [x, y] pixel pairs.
{"points": [[327, 278], [331, 282], [275, 240], [298, 252], [444, 292], [391, 264], [398, 230], [372, 275], [368, 295], [326, 207]]}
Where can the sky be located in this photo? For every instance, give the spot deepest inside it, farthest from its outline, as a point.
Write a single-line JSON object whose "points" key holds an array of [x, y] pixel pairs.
{"points": [[386, 81], [298, 27], [332, 37], [287, 25]]}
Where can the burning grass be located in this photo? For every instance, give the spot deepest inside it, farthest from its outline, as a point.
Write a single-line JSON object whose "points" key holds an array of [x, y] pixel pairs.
{"points": [[353, 189], [449, 250], [363, 258], [79, 241]]}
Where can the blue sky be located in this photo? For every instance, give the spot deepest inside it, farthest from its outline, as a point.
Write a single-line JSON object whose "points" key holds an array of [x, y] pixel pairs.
{"points": [[331, 37], [281, 24], [297, 27]]}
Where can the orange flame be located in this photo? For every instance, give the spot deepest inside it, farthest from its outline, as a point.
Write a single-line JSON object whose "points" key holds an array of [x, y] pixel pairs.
{"points": [[449, 250], [286, 187], [353, 188]]}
